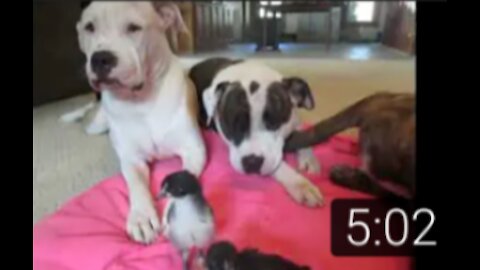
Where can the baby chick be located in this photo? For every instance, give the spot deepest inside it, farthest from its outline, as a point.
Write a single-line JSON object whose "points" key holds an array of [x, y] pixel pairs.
{"points": [[188, 218]]}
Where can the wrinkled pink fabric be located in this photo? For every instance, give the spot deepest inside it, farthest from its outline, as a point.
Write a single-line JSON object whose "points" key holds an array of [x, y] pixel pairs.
{"points": [[88, 232]]}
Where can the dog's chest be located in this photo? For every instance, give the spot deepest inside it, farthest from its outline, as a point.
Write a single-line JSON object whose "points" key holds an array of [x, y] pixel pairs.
{"points": [[144, 130], [142, 136]]}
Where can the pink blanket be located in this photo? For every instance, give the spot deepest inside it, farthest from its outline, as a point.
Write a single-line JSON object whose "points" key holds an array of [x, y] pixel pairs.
{"points": [[88, 232]]}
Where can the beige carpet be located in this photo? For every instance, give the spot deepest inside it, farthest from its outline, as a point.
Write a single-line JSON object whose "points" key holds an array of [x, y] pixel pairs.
{"points": [[66, 161]]}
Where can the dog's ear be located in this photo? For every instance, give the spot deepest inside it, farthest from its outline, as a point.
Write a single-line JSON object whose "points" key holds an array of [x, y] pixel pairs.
{"points": [[211, 96], [170, 15], [84, 4], [299, 91]]}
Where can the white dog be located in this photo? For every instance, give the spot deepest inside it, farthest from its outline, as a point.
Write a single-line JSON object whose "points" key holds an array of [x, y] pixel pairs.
{"points": [[148, 102]]}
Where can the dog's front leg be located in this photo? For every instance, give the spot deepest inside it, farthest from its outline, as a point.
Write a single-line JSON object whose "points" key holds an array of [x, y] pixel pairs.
{"points": [[143, 224], [298, 186], [194, 157]]}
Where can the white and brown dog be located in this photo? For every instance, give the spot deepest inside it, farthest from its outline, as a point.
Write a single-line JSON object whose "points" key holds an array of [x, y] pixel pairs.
{"points": [[142, 84], [254, 109], [148, 103]]}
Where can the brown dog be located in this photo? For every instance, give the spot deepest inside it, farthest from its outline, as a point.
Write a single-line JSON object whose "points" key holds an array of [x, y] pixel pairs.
{"points": [[387, 142]]}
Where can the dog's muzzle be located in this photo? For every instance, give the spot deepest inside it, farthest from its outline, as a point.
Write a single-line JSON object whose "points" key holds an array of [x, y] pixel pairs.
{"points": [[102, 63], [252, 163]]}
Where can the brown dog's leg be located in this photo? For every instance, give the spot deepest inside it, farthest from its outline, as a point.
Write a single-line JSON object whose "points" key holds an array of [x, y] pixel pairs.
{"points": [[356, 179]]}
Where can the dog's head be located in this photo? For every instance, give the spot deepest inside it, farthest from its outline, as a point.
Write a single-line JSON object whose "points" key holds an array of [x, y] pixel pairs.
{"points": [[254, 109], [125, 43]]}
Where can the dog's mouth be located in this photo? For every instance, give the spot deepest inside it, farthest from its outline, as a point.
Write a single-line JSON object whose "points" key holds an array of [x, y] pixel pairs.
{"points": [[115, 84], [110, 82]]}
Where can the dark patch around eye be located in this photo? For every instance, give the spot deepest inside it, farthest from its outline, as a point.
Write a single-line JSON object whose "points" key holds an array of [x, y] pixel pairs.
{"points": [[277, 108], [234, 114]]}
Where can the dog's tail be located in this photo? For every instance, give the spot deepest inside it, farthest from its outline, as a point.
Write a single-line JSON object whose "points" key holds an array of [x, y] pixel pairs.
{"points": [[350, 117], [80, 113]]}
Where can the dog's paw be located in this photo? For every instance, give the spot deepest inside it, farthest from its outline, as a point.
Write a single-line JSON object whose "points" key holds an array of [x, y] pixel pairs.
{"points": [[304, 192], [96, 128], [309, 164], [143, 224]]}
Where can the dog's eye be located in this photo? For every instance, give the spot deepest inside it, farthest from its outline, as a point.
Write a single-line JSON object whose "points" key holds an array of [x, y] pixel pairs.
{"points": [[89, 27], [132, 28]]}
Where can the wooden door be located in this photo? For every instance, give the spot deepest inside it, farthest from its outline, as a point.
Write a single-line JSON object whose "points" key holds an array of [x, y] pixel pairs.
{"points": [[399, 30], [203, 26], [211, 25]]}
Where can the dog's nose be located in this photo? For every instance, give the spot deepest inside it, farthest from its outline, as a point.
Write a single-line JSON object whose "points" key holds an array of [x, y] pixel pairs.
{"points": [[102, 63], [252, 163]]}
